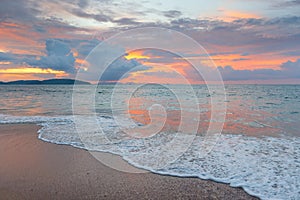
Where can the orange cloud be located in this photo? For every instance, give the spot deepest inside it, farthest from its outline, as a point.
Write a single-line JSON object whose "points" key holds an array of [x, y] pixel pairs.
{"points": [[29, 70], [14, 77], [179, 72], [251, 62], [266, 60], [27, 73], [5, 63], [160, 71], [16, 38], [139, 54], [229, 15]]}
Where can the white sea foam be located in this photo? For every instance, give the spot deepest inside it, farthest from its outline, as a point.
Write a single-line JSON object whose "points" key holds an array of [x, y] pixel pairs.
{"points": [[267, 167]]}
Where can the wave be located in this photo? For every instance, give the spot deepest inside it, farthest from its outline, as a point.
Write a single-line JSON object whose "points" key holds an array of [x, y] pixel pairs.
{"points": [[266, 167]]}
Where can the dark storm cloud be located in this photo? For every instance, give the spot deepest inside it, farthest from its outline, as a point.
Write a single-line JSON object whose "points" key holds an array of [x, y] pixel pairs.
{"points": [[288, 70]]}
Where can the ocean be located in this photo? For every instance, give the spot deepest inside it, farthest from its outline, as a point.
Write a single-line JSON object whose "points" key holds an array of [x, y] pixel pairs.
{"points": [[257, 149]]}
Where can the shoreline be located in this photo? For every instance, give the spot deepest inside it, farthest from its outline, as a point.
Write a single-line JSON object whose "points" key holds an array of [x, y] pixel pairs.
{"points": [[33, 169]]}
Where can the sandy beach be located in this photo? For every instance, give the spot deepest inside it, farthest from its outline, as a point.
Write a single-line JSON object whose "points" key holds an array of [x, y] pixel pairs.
{"points": [[33, 169]]}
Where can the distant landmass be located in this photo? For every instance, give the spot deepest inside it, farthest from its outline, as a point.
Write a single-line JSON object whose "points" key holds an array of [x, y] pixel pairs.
{"points": [[45, 82]]}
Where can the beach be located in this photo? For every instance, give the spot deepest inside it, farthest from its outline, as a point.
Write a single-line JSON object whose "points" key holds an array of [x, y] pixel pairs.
{"points": [[110, 99], [33, 169]]}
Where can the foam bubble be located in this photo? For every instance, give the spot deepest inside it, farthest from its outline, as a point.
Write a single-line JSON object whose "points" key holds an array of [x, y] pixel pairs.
{"points": [[267, 167]]}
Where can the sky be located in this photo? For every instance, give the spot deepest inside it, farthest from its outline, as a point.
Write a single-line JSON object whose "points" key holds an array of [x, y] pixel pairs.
{"points": [[250, 41]]}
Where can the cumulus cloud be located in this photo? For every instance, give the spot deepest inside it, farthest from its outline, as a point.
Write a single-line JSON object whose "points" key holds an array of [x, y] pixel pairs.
{"points": [[59, 57], [107, 62], [121, 68], [57, 47], [291, 69]]}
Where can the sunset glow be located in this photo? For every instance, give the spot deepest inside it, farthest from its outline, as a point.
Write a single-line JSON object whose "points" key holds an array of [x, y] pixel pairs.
{"points": [[242, 36], [230, 16], [136, 55], [151, 99], [31, 71]]}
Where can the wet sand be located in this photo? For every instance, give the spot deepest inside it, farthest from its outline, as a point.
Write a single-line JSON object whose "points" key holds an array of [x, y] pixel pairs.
{"points": [[33, 169]]}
